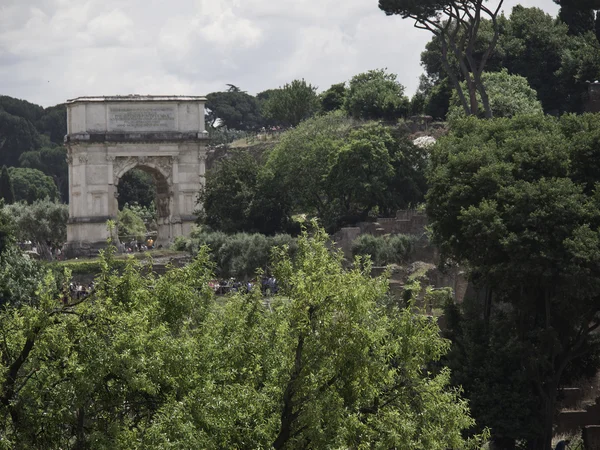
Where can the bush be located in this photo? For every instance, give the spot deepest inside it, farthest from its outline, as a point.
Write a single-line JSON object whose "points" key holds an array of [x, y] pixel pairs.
{"points": [[384, 250], [236, 255]]}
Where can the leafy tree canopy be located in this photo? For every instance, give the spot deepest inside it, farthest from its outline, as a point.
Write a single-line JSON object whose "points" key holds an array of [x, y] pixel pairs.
{"points": [[17, 135], [131, 226], [457, 25], [21, 108], [30, 185], [44, 222], [340, 172], [52, 161], [155, 362], [509, 95], [333, 98], [523, 190], [234, 109], [240, 195], [291, 104], [376, 95], [7, 193]]}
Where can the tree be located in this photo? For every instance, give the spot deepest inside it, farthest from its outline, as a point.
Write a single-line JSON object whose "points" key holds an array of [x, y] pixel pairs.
{"points": [[487, 362], [376, 95], [31, 184], [300, 162], [239, 196], [331, 367], [155, 362], [457, 25], [53, 123], [237, 255], [21, 108], [509, 95], [580, 64], [578, 14], [6, 188], [7, 226], [515, 200], [137, 187], [375, 173], [44, 222], [342, 173], [53, 162], [534, 45], [291, 104], [333, 98], [130, 226], [18, 136], [233, 109]]}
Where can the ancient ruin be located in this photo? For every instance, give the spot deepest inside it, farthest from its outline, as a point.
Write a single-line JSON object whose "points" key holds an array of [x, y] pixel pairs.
{"points": [[107, 137]]}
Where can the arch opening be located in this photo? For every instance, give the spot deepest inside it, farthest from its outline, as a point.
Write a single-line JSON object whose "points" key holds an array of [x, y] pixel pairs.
{"points": [[147, 194]]}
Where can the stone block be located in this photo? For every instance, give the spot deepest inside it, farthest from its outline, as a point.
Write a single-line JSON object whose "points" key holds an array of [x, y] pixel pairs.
{"points": [[591, 437]]}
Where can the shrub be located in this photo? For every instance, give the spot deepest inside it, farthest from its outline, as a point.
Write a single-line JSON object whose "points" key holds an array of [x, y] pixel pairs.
{"points": [[384, 250], [236, 255]]}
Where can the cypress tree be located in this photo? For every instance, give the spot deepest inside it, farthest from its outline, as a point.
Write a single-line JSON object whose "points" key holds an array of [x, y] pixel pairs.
{"points": [[6, 188]]}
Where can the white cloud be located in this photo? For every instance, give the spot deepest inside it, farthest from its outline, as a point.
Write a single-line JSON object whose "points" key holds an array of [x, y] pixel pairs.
{"points": [[51, 50]]}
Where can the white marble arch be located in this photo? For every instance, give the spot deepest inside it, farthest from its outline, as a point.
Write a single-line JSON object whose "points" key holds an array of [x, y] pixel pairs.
{"points": [[109, 136]]}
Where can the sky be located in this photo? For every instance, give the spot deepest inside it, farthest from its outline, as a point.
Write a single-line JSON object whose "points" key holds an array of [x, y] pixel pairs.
{"points": [[54, 50]]}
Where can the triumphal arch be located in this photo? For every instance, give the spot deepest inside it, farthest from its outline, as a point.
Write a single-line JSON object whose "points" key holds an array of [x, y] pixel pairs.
{"points": [[109, 136]]}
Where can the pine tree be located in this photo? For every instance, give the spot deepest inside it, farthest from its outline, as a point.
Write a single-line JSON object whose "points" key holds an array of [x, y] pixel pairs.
{"points": [[6, 188]]}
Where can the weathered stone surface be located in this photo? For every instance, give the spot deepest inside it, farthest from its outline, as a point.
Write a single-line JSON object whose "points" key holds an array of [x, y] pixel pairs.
{"points": [[591, 437], [109, 136]]}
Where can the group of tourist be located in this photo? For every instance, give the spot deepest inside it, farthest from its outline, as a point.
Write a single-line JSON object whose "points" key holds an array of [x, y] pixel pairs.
{"points": [[77, 291], [135, 246], [268, 286]]}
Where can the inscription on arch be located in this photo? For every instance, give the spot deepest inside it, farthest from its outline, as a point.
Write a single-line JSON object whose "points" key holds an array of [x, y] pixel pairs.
{"points": [[141, 118]]}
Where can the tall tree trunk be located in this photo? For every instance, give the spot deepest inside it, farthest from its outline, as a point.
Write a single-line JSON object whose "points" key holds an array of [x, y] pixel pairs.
{"points": [[453, 78], [485, 99], [472, 88]]}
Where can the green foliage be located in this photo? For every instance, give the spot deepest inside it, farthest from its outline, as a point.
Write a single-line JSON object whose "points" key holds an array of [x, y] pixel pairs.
{"points": [[18, 136], [237, 255], [376, 172], [53, 123], [333, 98], [301, 160], [509, 95], [522, 190], [535, 45], [580, 63], [147, 214], [131, 226], [235, 109], [52, 161], [30, 185], [224, 135], [89, 266], [137, 187], [487, 361], [21, 108], [43, 222], [291, 104], [6, 188], [240, 195], [341, 175], [147, 362], [376, 95], [578, 15], [384, 250]]}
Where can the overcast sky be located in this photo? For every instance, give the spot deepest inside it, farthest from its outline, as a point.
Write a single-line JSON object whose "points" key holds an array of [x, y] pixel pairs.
{"points": [[52, 50]]}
